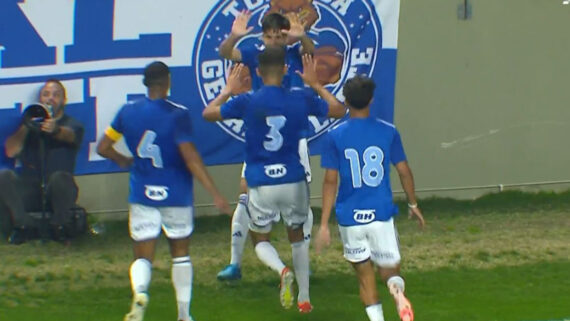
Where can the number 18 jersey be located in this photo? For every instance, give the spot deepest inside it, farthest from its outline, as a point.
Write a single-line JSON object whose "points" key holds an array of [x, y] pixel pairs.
{"points": [[361, 150], [153, 129]]}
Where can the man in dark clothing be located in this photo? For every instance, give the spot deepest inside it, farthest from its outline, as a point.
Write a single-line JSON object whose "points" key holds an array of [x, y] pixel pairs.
{"points": [[22, 193]]}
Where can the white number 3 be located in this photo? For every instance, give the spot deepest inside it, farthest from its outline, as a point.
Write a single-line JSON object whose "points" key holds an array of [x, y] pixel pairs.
{"points": [[275, 123]]}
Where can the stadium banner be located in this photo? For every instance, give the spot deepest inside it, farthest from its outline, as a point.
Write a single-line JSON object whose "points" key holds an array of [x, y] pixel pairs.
{"points": [[100, 48]]}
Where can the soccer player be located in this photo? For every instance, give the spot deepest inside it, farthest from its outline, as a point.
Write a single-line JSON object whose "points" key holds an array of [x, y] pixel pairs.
{"points": [[277, 30], [360, 151], [158, 132], [274, 118]]}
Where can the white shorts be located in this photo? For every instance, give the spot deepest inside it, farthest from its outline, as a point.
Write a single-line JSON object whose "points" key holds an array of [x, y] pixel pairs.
{"points": [[146, 222], [377, 240], [267, 204], [303, 155]]}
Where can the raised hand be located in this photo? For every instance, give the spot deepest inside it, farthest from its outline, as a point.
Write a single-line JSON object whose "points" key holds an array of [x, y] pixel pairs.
{"points": [[239, 27], [297, 29], [235, 82], [309, 74]]}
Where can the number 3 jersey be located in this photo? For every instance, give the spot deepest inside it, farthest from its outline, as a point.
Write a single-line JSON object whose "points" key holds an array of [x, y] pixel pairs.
{"points": [[361, 150], [275, 120], [153, 129]]}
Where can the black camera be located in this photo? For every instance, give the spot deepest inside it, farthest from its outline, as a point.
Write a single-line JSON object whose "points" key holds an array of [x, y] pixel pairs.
{"points": [[35, 114]]}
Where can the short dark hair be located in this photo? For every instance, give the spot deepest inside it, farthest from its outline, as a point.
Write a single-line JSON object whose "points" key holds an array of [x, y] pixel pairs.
{"points": [[275, 21], [358, 91], [57, 81], [156, 73], [272, 58]]}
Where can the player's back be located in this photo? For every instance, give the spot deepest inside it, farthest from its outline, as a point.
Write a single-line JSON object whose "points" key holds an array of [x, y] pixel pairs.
{"points": [[275, 119], [364, 148], [152, 130]]}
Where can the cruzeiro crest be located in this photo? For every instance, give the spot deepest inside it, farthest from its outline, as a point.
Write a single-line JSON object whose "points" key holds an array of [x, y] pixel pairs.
{"points": [[347, 37]]}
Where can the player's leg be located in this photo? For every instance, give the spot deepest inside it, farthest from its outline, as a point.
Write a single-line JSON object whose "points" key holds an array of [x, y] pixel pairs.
{"points": [[368, 291], [384, 239], [294, 215], [239, 230], [178, 224], [144, 227], [262, 208], [357, 250], [304, 156]]}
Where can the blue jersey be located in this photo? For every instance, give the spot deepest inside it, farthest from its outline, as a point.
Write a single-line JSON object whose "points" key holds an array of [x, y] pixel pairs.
{"points": [[275, 119], [292, 60], [153, 129], [361, 150]]}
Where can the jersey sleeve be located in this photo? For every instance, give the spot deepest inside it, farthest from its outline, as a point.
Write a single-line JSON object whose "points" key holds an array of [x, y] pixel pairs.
{"points": [[235, 108], [183, 128], [248, 55], [397, 153], [115, 130], [317, 106], [329, 156]]}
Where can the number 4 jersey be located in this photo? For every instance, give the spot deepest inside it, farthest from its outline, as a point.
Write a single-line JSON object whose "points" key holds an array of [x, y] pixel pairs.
{"points": [[361, 150], [275, 120], [153, 129]]}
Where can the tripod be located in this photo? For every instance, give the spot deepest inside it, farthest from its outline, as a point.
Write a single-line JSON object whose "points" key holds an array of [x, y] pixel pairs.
{"points": [[44, 230]]}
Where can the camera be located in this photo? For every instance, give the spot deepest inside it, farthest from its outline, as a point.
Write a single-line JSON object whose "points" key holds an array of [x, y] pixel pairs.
{"points": [[35, 114]]}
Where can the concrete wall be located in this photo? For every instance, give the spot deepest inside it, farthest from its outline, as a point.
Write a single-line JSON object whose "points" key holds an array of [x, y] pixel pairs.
{"points": [[478, 102]]}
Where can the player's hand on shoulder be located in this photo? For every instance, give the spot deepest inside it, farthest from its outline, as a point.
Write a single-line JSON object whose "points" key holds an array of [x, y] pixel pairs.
{"points": [[239, 27], [414, 212], [127, 162], [323, 239]]}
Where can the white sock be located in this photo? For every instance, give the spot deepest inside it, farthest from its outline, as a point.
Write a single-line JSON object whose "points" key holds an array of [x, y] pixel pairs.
{"points": [[240, 228], [308, 226], [140, 273], [300, 251], [268, 255], [182, 281], [375, 312], [396, 285]]}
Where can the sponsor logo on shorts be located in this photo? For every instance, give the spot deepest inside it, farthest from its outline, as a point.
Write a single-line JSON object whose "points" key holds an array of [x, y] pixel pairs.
{"points": [[144, 226], [382, 255], [353, 250], [267, 217], [156, 193], [276, 170], [364, 216], [237, 234]]}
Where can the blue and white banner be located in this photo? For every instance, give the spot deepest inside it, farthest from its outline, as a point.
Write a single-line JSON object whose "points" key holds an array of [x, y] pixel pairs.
{"points": [[99, 49]]}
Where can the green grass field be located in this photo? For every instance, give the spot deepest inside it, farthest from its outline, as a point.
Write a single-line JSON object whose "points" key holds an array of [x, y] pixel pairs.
{"points": [[502, 257]]}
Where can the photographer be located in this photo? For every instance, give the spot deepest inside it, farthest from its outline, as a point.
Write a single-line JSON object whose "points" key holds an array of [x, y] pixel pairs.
{"points": [[61, 136]]}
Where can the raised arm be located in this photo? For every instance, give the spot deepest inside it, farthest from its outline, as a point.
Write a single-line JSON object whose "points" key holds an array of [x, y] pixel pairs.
{"points": [[212, 112], [407, 181], [309, 76], [239, 29], [297, 33], [196, 166]]}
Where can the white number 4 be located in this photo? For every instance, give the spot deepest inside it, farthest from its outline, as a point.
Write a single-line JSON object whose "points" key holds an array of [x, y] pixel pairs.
{"points": [[146, 149]]}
